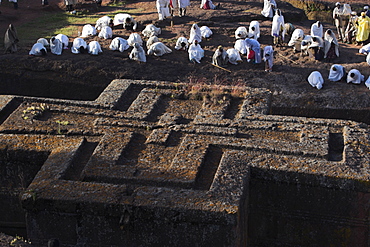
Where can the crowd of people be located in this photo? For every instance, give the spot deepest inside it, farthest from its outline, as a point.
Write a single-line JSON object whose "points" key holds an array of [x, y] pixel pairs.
{"points": [[318, 44]]}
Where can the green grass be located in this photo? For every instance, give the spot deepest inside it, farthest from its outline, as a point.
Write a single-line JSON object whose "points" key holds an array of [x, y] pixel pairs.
{"points": [[50, 24]]}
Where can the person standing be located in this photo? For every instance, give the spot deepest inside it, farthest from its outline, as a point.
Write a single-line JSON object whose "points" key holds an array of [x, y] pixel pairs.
{"points": [[278, 29], [163, 9], [363, 29], [15, 3], [269, 7], [69, 4], [181, 5], [11, 39]]}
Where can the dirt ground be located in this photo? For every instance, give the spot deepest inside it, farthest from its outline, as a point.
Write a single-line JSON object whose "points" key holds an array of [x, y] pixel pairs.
{"points": [[84, 76]]}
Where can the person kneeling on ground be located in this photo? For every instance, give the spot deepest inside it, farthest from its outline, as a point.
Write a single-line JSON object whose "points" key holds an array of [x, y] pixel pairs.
{"points": [[38, 49]]}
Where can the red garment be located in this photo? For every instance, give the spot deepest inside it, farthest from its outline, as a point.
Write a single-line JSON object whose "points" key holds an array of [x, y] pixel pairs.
{"points": [[251, 54], [206, 5]]}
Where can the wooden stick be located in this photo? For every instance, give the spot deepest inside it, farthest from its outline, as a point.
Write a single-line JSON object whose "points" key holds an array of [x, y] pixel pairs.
{"points": [[288, 59], [220, 67]]}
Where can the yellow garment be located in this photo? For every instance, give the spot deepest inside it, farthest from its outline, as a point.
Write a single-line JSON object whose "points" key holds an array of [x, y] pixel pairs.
{"points": [[363, 29]]}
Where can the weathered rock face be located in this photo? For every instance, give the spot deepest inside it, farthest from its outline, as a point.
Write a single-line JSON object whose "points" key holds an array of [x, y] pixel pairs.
{"points": [[143, 165]]}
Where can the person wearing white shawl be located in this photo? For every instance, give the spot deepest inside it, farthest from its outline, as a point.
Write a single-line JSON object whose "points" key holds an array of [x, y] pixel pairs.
{"points": [[119, 44], [88, 30], [268, 8], [38, 49], [79, 46], [151, 41], [134, 38], [336, 72], [268, 57], [106, 32], [44, 42], [234, 56], [240, 46], [253, 45], [365, 49], [278, 28], [305, 44], [94, 48], [163, 9], [207, 4], [317, 29], [296, 39], [182, 43], [151, 30], [126, 21], [56, 46], [355, 76], [241, 33], [137, 53], [254, 30], [315, 49], [368, 59], [64, 39], [158, 49], [331, 46], [102, 22], [315, 79], [181, 4], [195, 52], [195, 34], [367, 83], [220, 57], [206, 32]]}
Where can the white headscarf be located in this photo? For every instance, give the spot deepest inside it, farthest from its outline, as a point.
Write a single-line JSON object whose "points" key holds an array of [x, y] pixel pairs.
{"points": [[180, 40], [88, 30], [315, 79], [254, 34], [151, 30], [206, 32], [234, 56], [56, 46], [317, 29], [158, 49], [268, 6], [355, 76], [195, 52], [151, 41], [336, 72], [278, 25], [64, 39], [77, 43], [134, 38], [195, 34], [240, 46], [138, 53], [241, 33], [94, 48], [329, 39], [36, 49], [119, 44], [102, 21]]}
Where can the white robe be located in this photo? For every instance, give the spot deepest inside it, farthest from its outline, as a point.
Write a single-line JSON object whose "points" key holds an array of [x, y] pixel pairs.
{"points": [[328, 40], [106, 32], [121, 19], [365, 49], [317, 30], [268, 55], [64, 39], [315, 79], [56, 46], [77, 43], [206, 32], [296, 39], [180, 40], [278, 25], [234, 56], [151, 30], [220, 57], [158, 49], [357, 78], [241, 33], [254, 34], [151, 41], [43, 41], [36, 49], [119, 44], [88, 30], [138, 53], [268, 8], [195, 53], [134, 38], [305, 43], [240, 46], [337, 74], [163, 9], [195, 34], [102, 22], [94, 48], [254, 45]]}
